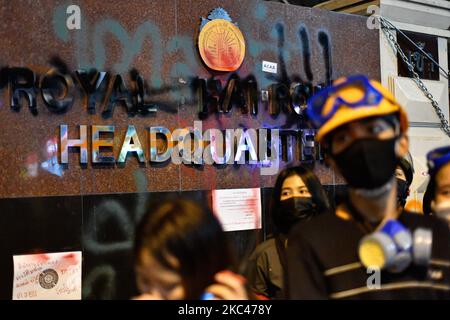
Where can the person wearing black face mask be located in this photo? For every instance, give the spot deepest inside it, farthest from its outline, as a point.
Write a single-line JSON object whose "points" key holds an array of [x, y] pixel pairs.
{"points": [[297, 197], [293, 210], [363, 131]]}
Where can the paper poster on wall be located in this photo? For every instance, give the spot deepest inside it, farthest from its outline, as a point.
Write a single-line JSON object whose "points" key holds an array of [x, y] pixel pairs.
{"points": [[47, 276], [238, 209]]}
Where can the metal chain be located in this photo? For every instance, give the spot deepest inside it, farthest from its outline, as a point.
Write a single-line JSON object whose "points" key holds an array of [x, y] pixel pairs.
{"points": [[386, 27]]}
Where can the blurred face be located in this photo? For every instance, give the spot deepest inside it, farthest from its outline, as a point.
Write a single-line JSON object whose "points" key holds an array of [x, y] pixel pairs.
{"points": [[294, 186], [157, 280], [443, 184], [400, 174], [377, 128]]}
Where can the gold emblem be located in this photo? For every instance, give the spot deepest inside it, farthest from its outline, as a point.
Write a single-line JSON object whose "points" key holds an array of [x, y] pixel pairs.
{"points": [[221, 45]]}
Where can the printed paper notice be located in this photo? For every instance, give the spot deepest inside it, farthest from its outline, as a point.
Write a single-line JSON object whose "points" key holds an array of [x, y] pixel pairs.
{"points": [[238, 209], [49, 276]]}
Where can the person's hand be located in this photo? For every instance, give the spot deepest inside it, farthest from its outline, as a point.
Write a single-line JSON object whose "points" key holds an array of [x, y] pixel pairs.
{"points": [[228, 286]]}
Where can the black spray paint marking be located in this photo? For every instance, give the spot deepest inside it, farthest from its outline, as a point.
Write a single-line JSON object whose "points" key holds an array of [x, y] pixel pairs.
{"points": [[324, 41], [306, 51]]}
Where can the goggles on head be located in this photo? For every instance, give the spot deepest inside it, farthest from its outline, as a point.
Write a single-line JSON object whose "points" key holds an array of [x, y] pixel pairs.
{"points": [[437, 158], [320, 110]]}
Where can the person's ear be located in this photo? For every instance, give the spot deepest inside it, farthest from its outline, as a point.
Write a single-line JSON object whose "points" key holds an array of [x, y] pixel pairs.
{"points": [[402, 146]]}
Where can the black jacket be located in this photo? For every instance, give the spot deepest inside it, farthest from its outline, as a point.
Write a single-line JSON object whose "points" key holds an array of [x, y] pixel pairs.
{"points": [[265, 269], [323, 263]]}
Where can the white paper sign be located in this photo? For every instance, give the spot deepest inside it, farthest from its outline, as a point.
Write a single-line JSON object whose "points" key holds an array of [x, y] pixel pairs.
{"points": [[238, 209], [49, 276], [269, 66]]}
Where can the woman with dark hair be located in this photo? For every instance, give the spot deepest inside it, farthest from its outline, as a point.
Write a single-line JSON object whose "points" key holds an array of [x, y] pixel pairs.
{"points": [[297, 197], [436, 199], [181, 252]]}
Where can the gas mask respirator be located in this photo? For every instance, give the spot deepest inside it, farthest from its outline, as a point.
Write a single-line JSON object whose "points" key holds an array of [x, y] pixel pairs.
{"points": [[394, 247]]}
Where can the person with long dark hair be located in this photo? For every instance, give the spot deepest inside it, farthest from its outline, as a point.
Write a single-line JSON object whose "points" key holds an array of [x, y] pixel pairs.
{"points": [[181, 252], [297, 196]]}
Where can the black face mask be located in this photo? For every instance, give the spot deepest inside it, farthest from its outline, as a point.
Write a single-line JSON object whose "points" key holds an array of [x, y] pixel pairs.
{"points": [[402, 192], [293, 210], [368, 163]]}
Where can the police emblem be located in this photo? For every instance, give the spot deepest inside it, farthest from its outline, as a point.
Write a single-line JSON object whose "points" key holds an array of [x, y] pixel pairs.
{"points": [[220, 42], [48, 278]]}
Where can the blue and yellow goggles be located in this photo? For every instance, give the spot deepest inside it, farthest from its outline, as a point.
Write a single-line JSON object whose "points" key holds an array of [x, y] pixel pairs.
{"points": [[437, 158], [369, 96]]}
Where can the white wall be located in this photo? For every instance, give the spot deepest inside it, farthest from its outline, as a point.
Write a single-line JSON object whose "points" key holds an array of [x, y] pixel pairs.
{"points": [[429, 17]]}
